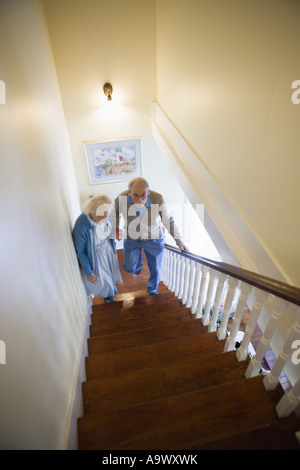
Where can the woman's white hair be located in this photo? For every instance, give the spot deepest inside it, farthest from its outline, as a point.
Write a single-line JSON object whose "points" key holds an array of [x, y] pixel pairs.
{"points": [[95, 202]]}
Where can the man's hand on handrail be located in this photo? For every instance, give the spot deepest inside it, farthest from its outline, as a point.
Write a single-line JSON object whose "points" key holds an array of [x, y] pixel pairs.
{"points": [[182, 246]]}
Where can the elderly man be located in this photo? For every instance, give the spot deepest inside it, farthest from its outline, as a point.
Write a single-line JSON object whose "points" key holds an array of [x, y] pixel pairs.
{"points": [[145, 217]]}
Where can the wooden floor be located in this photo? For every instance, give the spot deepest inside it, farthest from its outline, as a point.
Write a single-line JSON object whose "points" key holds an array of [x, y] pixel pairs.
{"points": [[131, 285], [153, 382]]}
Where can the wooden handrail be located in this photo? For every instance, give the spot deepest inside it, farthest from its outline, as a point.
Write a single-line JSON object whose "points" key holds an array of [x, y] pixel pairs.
{"points": [[280, 289]]}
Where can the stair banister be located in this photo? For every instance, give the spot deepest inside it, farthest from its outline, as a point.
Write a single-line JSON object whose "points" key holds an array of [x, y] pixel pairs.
{"points": [[278, 288], [203, 284]]}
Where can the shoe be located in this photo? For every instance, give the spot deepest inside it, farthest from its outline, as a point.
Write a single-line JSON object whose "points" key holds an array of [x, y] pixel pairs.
{"points": [[109, 299], [137, 274], [155, 292]]}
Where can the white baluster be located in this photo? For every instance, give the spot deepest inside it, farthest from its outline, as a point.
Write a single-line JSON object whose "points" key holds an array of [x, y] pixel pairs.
{"points": [[198, 278], [289, 401], [186, 281], [171, 269], [271, 380], [182, 276], [163, 267], [231, 339], [222, 331], [203, 292], [260, 297], [191, 284], [216, 308], [178, 274], [173, 272], [210, 297], [255, 364], [166, 264]]}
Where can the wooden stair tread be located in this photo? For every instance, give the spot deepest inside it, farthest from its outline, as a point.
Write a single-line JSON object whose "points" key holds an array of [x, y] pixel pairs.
{"points": [[141, 386], [276, 436], [156, 334], [182, 421], [132, 300], [184, 393], [126, 296], [112, 314], [143, 320], [122, 296], [110, 363]]}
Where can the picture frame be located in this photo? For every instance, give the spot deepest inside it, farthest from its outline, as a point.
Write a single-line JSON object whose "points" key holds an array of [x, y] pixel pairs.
{"points": [[113, 160]]}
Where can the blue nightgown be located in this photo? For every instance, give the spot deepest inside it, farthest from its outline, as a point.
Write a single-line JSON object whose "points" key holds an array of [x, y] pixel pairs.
{"points": [[108, 264]]}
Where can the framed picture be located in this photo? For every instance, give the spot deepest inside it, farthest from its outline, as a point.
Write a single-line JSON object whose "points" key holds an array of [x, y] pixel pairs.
{"points": [[113, 160]]}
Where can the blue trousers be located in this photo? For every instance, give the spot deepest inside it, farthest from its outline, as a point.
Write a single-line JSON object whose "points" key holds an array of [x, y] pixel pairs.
{"points": [[133, 259]]}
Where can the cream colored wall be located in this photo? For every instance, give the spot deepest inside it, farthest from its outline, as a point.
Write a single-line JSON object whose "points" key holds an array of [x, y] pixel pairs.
{"points": [[224, 74], [43, 305], [115, 43], [102, 42]]}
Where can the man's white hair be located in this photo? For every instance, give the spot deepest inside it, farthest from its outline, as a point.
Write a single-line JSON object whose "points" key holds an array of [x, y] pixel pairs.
{"points": [[138, 180]]}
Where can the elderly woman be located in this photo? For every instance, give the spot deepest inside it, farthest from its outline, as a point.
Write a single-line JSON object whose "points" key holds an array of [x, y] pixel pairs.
{"points": [[96, 249]]}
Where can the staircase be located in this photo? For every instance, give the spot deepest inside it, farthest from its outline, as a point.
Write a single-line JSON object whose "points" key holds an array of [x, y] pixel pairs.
{"points": [[157, 379]]}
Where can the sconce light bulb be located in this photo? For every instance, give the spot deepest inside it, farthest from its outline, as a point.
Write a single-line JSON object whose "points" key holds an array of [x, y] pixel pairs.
{"points": [[108, 89]]}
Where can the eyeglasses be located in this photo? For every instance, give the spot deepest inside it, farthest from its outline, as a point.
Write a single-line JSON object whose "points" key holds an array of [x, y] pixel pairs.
{"points": [[139, 196]]}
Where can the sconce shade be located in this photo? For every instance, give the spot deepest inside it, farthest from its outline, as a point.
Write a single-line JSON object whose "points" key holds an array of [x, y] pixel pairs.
{"points": [[108, 89]]}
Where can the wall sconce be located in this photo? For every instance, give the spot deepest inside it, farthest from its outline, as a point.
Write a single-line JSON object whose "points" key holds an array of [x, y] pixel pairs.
{"points": [[108, 89]]}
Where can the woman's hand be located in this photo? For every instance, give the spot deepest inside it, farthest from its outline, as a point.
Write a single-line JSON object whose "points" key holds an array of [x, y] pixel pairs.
{"points": [[119, 234], [92, 278]]}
